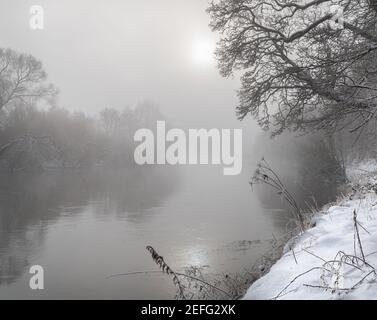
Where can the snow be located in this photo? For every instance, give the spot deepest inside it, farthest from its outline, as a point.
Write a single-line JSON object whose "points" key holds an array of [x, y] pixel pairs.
{"points": [[330, 262]]}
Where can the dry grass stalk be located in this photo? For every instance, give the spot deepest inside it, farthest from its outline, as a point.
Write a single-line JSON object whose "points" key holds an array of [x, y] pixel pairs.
{"points": [[159, 260], [266, 175], [357, 235]]}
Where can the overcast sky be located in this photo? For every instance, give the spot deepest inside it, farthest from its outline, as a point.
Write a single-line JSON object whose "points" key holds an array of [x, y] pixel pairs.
{"points": [[114, 53]]}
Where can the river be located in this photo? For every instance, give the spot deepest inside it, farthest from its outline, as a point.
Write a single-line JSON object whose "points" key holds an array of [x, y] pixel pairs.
{"points": [[83, 227]]}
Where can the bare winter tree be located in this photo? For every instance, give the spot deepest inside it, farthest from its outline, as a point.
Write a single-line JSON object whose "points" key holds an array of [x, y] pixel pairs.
{"points": [[22, 82], [21, 78], [307, 65]]}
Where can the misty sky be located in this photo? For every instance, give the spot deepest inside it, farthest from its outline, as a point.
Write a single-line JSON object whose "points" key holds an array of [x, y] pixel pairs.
{"points": [[114, 53]]}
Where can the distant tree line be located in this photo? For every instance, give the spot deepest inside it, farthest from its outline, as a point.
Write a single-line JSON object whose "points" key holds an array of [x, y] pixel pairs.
{"points": [[36, 134]]}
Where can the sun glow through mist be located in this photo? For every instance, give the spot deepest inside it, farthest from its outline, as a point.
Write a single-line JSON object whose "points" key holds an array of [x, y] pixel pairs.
{"points": [[203, 52]]}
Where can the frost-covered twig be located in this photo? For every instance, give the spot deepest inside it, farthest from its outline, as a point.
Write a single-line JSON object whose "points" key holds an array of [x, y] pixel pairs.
{"points": [[357, 235], [266, 175]]}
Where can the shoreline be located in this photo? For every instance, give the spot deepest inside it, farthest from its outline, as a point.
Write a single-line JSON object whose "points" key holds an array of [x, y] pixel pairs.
{"points": [[334, 259]]}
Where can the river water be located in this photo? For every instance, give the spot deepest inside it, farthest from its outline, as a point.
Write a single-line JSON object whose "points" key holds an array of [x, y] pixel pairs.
{"points": [[83, 227]]}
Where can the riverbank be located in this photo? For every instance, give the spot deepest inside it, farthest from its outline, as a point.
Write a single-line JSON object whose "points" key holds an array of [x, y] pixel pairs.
{"points": [[335, 259]]}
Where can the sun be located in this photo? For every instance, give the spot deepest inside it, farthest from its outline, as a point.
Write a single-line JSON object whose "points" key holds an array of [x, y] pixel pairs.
{"points": [[203, 52]]}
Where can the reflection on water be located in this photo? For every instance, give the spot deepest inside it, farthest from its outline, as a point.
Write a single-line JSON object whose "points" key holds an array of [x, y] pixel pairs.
{"points": [[82, 227]]}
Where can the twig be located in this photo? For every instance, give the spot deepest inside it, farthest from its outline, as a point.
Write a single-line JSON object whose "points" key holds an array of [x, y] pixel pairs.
{"points": [[294, 279], [326, 288], [359, 282], [357, 234], [177, 273], [294, 255]]}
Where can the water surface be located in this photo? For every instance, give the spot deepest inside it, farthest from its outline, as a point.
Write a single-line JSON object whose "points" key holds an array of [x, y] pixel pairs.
{"points": [[82, 227]]}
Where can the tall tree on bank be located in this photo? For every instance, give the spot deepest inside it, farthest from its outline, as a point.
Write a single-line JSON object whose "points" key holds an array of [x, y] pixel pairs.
{"points": [[306, 65], [22, 78]]}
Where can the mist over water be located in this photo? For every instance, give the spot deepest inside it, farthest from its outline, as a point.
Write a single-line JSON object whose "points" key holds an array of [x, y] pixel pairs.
{"points": [[85, 228], [83, 225]]}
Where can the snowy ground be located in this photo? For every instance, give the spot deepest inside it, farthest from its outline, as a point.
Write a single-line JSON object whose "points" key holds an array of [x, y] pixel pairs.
{"points": [[330, 262]]}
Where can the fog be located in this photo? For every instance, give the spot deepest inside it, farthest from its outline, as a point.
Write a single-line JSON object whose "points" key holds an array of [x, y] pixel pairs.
{"points": [[116, 54], [122, 52]]}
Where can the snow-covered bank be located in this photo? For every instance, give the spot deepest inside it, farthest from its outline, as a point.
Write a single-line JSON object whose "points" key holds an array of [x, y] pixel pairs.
{"points": [[329, 261]]}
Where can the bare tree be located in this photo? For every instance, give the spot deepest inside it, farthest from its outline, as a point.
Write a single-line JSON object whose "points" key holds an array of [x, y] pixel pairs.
{"points": [[21, 77], [110, 119], [307, 65]]}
